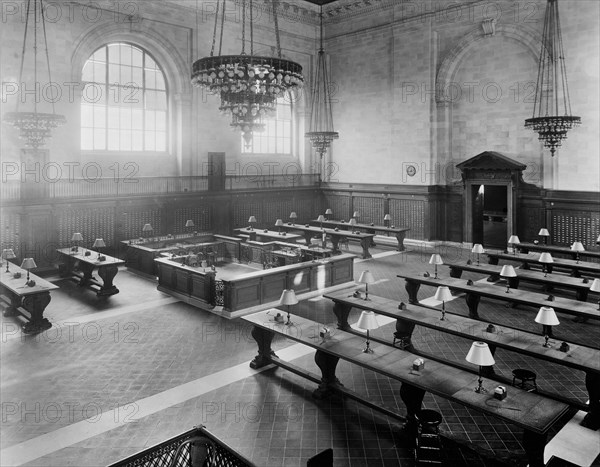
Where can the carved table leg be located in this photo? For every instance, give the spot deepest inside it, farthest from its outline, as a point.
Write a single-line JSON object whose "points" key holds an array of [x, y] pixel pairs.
{"points": [[472, 302], [36, 304], [400, 237], [412, 397], [15, 303], [575, 273], [342, 312], [534, 444], [592, 384], [335, 241], [412, 287], [455, 272], [108, 273], [364, 243], [87, 270], [404, 330], [263, 338], [372, 242], [327, 364], [582, 294]]}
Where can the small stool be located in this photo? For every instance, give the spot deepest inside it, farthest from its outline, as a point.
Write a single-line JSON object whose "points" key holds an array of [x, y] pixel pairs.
{"points": [[429, 421], [403, 341], [429, 447], [524, 377]]}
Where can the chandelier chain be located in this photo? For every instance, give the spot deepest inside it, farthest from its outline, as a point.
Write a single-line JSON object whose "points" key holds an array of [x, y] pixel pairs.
{"points": [[46, 45], [243, 27], [251, 29], [23, 52], [275, 3], [222, 24], [214, 40]]}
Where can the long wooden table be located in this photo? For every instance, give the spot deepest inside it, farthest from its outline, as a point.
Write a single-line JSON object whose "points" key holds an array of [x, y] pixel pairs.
{"points": [[553, 249], [579, 285], [270, 235], [575, 267], [81, 266], [33, 299], [335, 235], [398, 232], [533, 412], [476, 290]]}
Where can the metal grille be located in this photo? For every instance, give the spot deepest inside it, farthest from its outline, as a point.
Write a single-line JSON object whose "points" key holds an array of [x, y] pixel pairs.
{"points": [[163, 454], [219, 293]]}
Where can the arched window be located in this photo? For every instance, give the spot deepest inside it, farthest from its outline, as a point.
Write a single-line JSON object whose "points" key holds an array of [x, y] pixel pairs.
{"points": [[277, 136], [124, 101]]}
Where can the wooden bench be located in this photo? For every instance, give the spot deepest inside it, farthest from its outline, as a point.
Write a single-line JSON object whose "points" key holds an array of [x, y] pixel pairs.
{"points": [[534, 413], [398, 232], [474, 291], [581, 286], [28, 301], [556, 250], [575, 268]]}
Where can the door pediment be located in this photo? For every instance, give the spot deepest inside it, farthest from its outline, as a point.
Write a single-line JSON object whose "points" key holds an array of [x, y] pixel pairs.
{"points": [[491, 160]]}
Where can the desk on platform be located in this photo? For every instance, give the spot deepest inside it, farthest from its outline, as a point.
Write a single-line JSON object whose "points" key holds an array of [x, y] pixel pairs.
{"points": [[554, 250], [33, 299], [335, 235], [269, 235], [575, 267], [398, 232], [474, 292], [81, 266]]}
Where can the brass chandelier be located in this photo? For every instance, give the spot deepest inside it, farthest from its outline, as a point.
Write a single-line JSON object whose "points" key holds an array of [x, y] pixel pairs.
{"points": [[248, 85], [552, 117], [34, 127], [321, 132]]}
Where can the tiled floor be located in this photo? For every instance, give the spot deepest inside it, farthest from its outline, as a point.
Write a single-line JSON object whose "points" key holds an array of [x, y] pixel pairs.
{"points": [[116, 375]]}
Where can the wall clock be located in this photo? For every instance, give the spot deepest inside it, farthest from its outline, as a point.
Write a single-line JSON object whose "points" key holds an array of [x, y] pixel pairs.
{"points": [[411, 170]]}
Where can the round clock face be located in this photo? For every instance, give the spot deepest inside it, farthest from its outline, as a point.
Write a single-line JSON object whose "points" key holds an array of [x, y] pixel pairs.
{"points": [[411, 170]]}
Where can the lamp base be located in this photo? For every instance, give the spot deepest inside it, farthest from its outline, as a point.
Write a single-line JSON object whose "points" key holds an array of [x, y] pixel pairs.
{"points": [[480, 390], [367, 348]]}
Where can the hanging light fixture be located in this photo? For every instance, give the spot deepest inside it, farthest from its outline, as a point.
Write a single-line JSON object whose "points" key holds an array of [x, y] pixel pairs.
{"points": [[552, 91], [34, 127], [248, 85], [321, 132]]}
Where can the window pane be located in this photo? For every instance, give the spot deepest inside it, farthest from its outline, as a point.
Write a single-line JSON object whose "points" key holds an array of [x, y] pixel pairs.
{"points": [[160, 81], [99, 55], [136, 57], [113, 53], [125, 140], [150, 120], [125, 118], [161, 121], [87, 138], [161, 141], [150, 79], [150, 63], [99, 116], [99, 72], [137, 141], [161, 100], [126, 75], [113, 140], [100, 139], [113, 117], [125, 54], [149, 144], [137, 77], [87, 115], [113, 73], [137, 119]]}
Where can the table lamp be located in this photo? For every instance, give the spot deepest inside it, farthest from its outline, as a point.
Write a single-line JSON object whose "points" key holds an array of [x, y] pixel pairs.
{"points": [[189, 224], [288, 298], [435, 260], [328, 213], [544, 233], [251, 220], [545, 258], [598, 240], [147, 229], [513, 241], [366, 278], [577, 247], [28, 263], [478, 248], [99, 243], [547, 318], [293, 217], [279, 223], [595, 287], [480, 354], [321, 219], [366, 322], [7, 254], [386, 222], [76, 238], [355, 215], [442, 294], [352, 223], [507, 272]]}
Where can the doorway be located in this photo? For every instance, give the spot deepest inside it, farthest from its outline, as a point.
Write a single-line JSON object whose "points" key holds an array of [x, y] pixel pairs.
{"points": [[489, 215]]}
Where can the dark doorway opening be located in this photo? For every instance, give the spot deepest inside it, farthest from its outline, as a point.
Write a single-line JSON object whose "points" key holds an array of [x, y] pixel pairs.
{"points": [[490, 211]]}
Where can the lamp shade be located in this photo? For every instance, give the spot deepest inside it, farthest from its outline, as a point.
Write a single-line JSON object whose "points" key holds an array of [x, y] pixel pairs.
{"points": [[77, 237], [547, 316], [321, 218], [544, 233], [598, 239], [147, 228], [480, 354], [435, 259], [355, 214], [442, 294], [328, 211], [514, 240], [252, 219], [278, 223], [293, 215], [387, 217], [367, 321], [288, 297], [595, 287], [366, 277], [28, 263], [577, 246], [189, 223], [99, 243], [508, 271], [478, 248], [8, 253], [546, 257], [352, 221]]}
